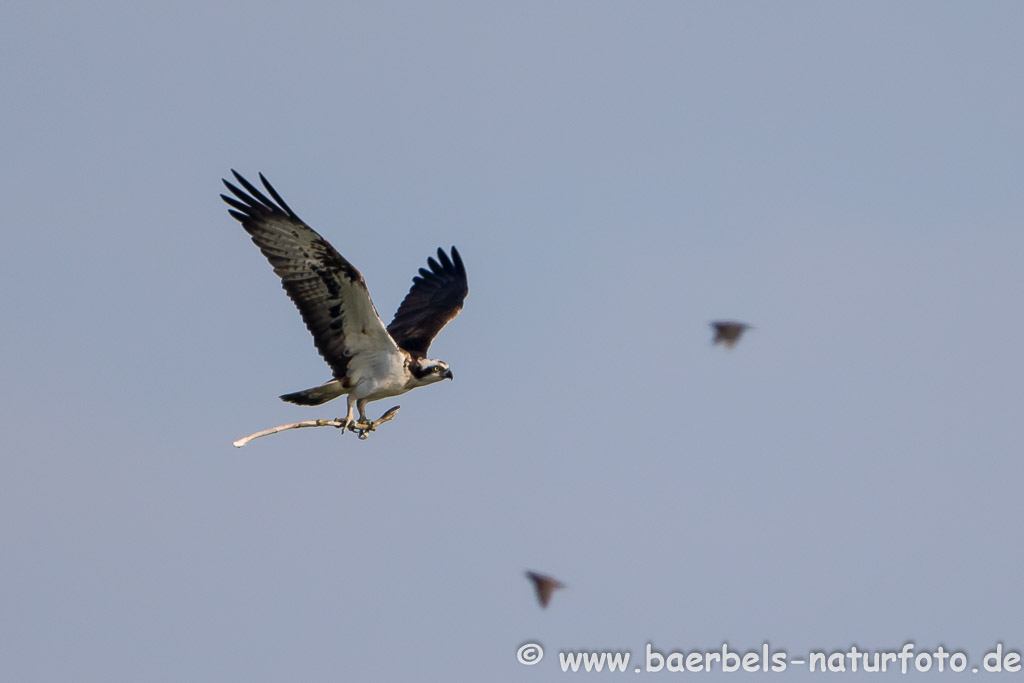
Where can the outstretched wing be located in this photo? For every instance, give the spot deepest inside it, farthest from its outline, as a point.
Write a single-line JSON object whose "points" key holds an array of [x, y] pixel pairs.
{"points": [[435, 298], [329, 292], [544, 586]]}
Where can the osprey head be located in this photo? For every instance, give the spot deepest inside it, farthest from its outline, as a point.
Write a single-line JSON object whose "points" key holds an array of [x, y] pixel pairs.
{"points": [[428, 371]]}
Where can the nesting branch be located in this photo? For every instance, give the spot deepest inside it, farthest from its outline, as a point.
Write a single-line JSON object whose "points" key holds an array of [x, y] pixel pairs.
{"points": [[362, 428]]}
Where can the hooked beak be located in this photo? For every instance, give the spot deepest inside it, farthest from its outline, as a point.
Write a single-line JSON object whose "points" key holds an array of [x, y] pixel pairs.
{"points": [[448, 374]]}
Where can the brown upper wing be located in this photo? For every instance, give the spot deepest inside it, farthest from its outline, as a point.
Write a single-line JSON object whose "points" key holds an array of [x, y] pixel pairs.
{"points": [[435, 298], [329, 292], [544, 586]]}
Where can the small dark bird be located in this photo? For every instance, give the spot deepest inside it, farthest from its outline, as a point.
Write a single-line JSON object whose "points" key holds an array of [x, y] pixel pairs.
{"points": [[728, 332], [544, 585]]}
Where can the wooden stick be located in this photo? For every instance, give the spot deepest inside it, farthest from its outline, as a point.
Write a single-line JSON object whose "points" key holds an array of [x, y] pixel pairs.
{"points": [[363, 428]]}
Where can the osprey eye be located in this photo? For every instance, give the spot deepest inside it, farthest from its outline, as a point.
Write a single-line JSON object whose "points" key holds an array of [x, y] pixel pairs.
{"points": [[437, 368]]}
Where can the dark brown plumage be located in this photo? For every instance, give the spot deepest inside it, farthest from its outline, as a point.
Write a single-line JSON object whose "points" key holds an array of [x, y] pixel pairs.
{"points": [[544, 586], [728, 333], [435, 298]]}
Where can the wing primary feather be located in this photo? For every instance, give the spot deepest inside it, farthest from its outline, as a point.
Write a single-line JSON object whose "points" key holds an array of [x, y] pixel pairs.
{"points": [[445, 261], [236, 191], [277, 197], [460, 268], [262, 198], [231, 201], [250, 203]]}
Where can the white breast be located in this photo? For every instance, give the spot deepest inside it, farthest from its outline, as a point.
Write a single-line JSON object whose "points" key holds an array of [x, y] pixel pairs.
{"points": [[378, 374]]}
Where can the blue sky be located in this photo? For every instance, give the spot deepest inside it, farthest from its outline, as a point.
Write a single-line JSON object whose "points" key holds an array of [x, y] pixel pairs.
{"points": [[844, 176]]}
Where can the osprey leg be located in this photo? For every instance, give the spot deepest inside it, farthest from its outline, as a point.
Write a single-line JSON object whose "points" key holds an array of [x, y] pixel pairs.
{"points": [[350, 417]]}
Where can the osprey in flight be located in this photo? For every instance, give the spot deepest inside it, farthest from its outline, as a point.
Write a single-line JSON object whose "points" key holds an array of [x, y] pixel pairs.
{"points": [[369, 361]]}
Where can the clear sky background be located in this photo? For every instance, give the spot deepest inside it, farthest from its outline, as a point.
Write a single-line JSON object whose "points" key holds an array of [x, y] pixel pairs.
{"points": [[845, 176]]}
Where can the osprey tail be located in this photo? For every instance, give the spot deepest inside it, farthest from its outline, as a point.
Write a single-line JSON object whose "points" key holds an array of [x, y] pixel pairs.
{"points": [[316, 395]]}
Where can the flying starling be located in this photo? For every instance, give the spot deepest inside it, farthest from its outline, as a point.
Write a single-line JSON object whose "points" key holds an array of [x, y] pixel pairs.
{"points": [[544, 585], [728, 332]]}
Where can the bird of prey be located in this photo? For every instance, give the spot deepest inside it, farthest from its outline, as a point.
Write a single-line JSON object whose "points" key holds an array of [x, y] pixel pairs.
{"points": [[728, 333], [544, 586], [368, 360]]}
